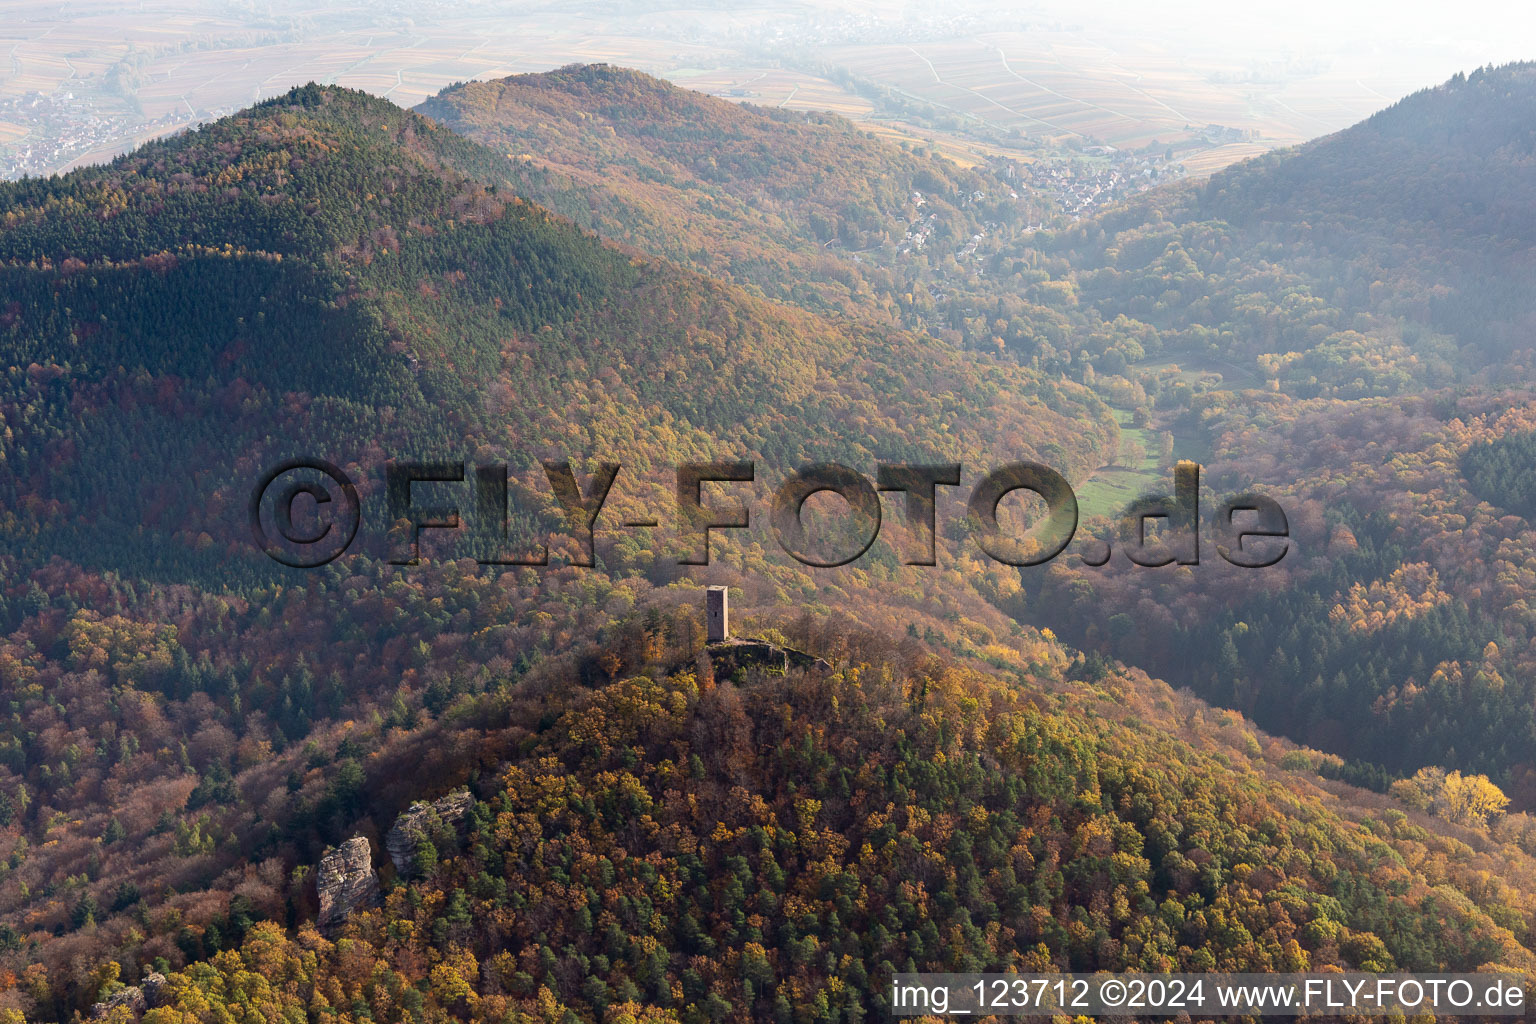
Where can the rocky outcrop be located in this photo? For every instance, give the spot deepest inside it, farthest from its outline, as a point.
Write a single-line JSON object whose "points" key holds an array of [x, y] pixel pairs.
{"points": [[132, 998], [422, 821], [135, 998], [347, 882], [739, 654]]}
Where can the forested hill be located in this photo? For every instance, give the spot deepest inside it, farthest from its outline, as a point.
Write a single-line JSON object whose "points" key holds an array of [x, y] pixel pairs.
{"points": [[649, 835], [328, 273], [259, 248], [779, 200], [1427, 203], [1453, 162], [1402, 247]]}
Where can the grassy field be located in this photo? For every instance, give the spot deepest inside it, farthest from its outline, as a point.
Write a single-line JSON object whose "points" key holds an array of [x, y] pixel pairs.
{"points": [[1194, 369], [1110, 489]]}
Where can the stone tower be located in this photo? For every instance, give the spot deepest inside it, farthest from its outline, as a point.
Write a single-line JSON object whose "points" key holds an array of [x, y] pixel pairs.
{"points": [[717, 612]]}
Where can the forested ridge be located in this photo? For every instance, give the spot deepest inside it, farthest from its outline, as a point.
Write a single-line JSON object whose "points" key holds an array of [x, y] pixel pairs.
{"points": [[315, 276], [777, 200], [190, 728]]}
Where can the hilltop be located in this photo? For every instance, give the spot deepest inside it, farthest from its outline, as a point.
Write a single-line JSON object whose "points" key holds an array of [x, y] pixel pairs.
{"points": [[809, 208]]}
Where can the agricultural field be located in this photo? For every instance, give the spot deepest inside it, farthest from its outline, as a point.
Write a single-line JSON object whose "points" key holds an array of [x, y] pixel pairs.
{"points": [[1208, 161], [774, 87], [1062, 87]]}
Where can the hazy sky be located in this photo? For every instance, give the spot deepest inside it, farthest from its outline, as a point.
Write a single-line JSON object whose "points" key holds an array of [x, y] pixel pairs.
{"points": [[1432, 39]]}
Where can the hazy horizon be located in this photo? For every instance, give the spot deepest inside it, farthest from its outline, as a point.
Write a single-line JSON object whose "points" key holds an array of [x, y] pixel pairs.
{"points": [[86, 82]]}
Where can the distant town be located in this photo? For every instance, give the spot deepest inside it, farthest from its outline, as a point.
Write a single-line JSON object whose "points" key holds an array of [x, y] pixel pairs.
{"points": [[62, 126], [1079, 186]]}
